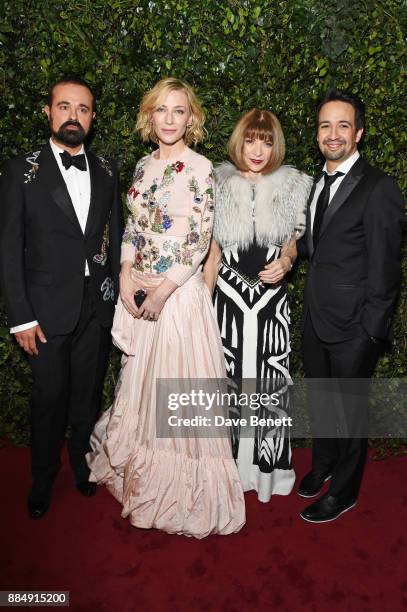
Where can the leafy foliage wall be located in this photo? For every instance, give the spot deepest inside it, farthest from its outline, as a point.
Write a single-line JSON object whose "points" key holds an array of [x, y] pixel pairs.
{"points": [[238, 54]]}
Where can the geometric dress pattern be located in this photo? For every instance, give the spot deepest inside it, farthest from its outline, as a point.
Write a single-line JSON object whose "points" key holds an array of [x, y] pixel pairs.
{"points": [[254, 320]]}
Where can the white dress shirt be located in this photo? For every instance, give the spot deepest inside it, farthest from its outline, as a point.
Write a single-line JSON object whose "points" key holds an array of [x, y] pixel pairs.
{"points": [[343, 167], [78, 185]]}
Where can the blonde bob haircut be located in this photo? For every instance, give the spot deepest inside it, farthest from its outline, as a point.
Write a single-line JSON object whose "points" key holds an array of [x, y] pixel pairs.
{"points": [[156, 96], [261, 124]]}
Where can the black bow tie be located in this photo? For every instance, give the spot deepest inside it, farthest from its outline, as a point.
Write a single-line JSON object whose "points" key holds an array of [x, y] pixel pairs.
{"points": [[78, 161]]}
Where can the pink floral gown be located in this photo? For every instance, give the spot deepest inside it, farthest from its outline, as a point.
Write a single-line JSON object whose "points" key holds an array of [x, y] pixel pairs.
{"points": [[188, 485]]}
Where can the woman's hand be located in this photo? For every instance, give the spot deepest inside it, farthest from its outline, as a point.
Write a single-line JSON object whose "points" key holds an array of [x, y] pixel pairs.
{"points": [[155, 300], [152, 306], [127, 289], [275, 271]]}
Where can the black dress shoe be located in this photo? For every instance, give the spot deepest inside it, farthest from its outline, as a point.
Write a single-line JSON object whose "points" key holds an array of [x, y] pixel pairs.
{"points": [[312, 484], [88, 489], [326, 509], [37, 508]]}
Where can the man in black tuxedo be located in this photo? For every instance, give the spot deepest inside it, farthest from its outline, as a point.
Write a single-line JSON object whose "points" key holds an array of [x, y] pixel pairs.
{"points": [[60, 234], [353, 240]]}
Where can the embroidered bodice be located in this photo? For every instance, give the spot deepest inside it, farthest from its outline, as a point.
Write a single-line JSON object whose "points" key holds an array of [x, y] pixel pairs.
{"points": [[171, 209]]}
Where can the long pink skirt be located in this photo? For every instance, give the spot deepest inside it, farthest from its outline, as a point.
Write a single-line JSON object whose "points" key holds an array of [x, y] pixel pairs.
{"points": [[187, 486]]}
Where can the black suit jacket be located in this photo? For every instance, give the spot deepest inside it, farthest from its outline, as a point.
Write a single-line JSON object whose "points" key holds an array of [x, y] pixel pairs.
{"points": [[43, 249], [354, 272]]}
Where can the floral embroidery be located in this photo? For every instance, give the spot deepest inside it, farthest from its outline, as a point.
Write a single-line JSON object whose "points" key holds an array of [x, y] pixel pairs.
{"points": [[139, 170], [168, 176], [173, 247], [31, 174], [149, 204], [161, 222], [194, 187], [183, 253], [133, 193], [143, 222], [192, 238], [178, 166], [139, 242], [157, 209], [101, 258], [163, 264], [138, 262], [156, 216], [166, 222], [146, 253], [198, 239], [105, 165], [129, 233], [107, 289]]}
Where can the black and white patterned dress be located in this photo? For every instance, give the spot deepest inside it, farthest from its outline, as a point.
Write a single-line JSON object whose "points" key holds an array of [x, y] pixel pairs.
{"points": [[254, 321]]}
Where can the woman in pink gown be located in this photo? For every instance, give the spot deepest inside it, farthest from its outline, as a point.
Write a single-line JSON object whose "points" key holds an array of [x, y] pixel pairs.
{"points": [[184, 485]]}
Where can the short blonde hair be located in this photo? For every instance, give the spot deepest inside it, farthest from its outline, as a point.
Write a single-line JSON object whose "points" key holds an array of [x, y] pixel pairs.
{"points": [[260, 124], [155, 96]]}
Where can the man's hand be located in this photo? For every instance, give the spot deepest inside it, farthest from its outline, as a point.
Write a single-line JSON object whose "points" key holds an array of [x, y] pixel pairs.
{"points": [[26, 339]]}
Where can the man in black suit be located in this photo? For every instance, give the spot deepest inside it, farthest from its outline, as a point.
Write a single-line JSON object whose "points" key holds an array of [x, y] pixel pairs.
{"points": [[60, 234], [353, 240]]}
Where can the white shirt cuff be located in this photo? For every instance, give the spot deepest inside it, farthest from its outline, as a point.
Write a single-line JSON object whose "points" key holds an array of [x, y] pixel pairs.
{"points": [[23, 327]]}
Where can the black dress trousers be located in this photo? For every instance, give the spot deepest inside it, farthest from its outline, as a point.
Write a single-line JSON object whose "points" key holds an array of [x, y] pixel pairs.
{"points": [[338, 406], [68, 381]]}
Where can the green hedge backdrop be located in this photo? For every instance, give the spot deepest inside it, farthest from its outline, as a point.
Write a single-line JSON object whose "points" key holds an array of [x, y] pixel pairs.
{"points": [[279, 55]]}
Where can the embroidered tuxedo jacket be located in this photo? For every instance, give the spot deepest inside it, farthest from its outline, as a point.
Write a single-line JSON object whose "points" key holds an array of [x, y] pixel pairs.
{"points": [[43, 249]]}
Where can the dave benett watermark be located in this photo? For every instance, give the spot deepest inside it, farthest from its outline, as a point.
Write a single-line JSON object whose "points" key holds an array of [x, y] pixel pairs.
{"points": [[320, 408], [207, 401], [220, 421]]}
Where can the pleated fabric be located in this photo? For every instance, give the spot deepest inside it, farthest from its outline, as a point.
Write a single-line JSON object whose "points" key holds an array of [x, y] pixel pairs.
{"points": [[187, 486]]}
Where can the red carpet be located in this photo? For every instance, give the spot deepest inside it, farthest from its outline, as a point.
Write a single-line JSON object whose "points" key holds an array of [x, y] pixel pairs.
{"points": [[278, 562]]}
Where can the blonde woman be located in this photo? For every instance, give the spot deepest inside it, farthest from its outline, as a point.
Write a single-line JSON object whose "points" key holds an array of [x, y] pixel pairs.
{"points": [[186, 486], [260, 212]]}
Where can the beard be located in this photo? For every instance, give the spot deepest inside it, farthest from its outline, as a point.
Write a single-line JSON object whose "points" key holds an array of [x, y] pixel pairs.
{"points": [[333, 155], [70, 138]]}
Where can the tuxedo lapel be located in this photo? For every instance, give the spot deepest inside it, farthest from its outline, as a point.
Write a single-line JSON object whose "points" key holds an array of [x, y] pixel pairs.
{"points": [[51, 177], [344, 190], [97, 180]]}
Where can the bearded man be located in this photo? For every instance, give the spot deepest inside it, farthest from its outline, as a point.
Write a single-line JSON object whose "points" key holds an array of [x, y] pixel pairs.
{"points": [[60, 233], [353, 242]]}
